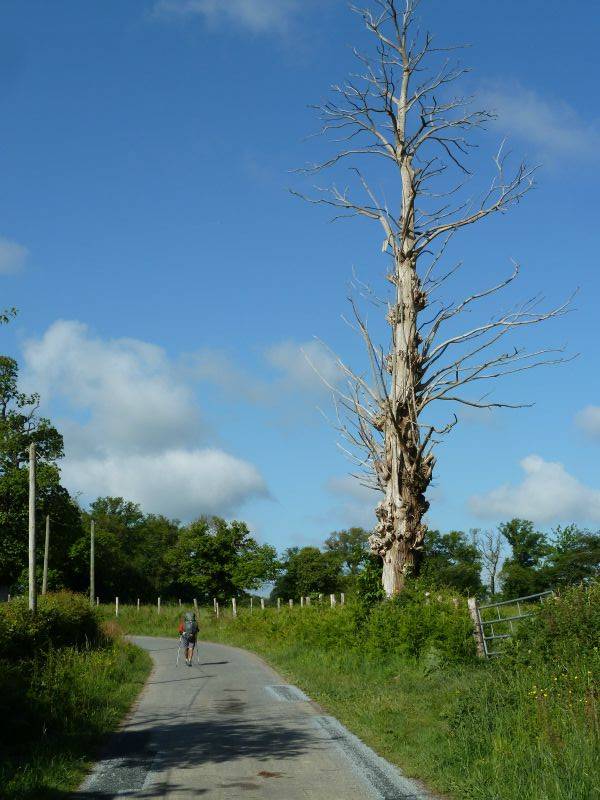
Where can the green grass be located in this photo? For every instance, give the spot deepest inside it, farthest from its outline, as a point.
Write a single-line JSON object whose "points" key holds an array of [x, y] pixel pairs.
{"points": [[147, 621], [56, 707], [499, 730]]}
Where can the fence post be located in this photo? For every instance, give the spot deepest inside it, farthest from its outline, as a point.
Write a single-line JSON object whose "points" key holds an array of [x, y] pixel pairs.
{"points": [[279, 604], [138, 604], [116, 606], [217, 609], [158, 606], [332, 599], [251, 604], [233, 607], [215, 603], [262, 603], [477, 632]]}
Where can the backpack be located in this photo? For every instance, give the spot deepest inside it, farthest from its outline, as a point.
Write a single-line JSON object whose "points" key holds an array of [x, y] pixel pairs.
{"points": [[190, 626]]}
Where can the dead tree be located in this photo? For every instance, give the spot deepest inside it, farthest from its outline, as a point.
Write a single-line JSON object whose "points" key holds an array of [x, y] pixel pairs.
{"points": [[489, 543], [399, 111]]}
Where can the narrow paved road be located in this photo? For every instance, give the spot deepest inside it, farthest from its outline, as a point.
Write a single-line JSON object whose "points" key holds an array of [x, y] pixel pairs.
{"points": [[228, 727]]}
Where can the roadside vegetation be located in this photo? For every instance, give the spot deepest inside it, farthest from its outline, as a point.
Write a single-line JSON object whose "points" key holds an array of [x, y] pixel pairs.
{"points": [[66, 680], [404, 677]]}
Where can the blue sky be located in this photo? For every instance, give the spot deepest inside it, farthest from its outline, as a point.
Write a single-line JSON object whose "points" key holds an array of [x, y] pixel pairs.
{"points": [[168, 282]]}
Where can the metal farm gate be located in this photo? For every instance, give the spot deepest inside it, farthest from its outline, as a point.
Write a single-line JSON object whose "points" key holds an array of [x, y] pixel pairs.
{"points": [[494, 626]]}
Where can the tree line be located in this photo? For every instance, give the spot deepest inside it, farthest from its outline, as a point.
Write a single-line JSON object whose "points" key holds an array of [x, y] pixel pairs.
{"points": [[145, 555]]}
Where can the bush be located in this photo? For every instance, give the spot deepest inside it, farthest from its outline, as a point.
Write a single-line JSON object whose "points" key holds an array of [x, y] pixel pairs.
{"points": [[413, 625], [63, 619], [435, 627], [563, 629]]}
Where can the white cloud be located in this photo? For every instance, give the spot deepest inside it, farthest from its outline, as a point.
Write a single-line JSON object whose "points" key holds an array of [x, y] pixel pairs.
{"points": [[257, 16], [131, 393], [551, 125], [547, 493], [588, 420], [178, 483], [305, 366], [132, 425], [12, 256]]}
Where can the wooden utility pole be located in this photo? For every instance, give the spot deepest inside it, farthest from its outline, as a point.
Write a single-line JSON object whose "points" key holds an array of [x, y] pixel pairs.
{"points": [[92, 563], [46, 549], [32, 585]]}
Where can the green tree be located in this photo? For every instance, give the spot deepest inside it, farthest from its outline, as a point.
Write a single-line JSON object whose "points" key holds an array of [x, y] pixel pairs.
{"points": [[522, 574], [369, 590], [307, 571], [214, 558], [131, 550], [20, 425], [574, 556], [352, 546], [450, 560]]}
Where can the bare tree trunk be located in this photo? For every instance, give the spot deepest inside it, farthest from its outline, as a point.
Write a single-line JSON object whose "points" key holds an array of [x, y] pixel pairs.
{"points": [[392, 111]]}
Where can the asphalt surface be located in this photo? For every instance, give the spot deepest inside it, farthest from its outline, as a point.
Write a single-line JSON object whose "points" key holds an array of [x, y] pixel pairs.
{"points": [[229, 727]]}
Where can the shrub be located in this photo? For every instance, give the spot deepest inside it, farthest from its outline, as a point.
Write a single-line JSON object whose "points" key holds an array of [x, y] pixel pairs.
{"points": [[413, 625], [435, 627], [63, 619], [563, 629]]}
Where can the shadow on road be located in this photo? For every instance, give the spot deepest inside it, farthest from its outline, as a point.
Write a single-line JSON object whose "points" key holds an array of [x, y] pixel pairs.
{"points": [[177, 680], [179, 744]]}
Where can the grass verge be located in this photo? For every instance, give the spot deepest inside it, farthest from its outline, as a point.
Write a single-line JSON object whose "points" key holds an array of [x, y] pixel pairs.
{"points": [[56, 707]]}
